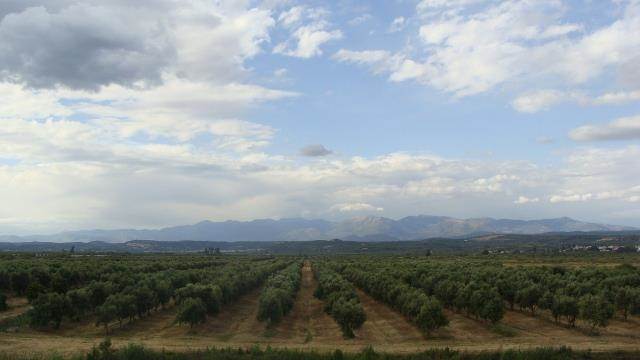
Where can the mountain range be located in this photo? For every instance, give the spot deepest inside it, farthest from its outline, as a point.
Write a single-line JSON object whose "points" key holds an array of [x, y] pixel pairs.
{"points": [[368, 228]]}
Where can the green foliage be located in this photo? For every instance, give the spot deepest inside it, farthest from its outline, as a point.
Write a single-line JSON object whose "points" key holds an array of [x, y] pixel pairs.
{"points": [[425, 311], [106, 314], [50, 309], [34, 290], [20, 282], [119, 306], [341, 300], [627, 300], [431, 316], [596, 310], [565, 306], [210, 295], [3, 302], [529, 297], [279, 293], [80, 302], [192, 311]]}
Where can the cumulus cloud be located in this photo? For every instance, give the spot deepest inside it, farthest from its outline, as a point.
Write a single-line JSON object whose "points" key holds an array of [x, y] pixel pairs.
{"points": [[87, 45], [82, 47], [315, 150], [309, 30], [627, 128], [471, 46]]}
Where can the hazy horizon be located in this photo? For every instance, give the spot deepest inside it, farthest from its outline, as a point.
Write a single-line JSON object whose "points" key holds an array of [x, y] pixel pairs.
{"points": [[340, 220], [157, 113]]}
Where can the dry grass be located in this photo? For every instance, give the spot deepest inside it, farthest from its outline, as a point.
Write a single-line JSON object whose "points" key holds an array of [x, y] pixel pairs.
{"points": [[17, 306]]}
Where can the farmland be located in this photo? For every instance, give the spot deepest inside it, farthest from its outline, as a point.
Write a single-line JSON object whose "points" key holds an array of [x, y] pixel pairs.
{"points": [[396, 304]]}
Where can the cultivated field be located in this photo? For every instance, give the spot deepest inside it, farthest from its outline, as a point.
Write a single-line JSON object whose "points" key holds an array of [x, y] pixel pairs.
{"points": [[306, 324]]}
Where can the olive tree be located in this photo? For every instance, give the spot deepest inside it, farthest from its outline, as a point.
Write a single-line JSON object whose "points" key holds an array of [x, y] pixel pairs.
{"points": [[596, 310], [431, 316], [192, 311], [50, 309]]}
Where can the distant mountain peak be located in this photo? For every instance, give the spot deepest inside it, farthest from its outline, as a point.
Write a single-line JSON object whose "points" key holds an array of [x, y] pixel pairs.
{"points": [[367, 228]]}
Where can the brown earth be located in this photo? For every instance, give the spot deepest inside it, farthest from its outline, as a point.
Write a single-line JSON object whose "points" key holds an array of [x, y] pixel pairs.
{"points": [[307, 326], [17, 306]]}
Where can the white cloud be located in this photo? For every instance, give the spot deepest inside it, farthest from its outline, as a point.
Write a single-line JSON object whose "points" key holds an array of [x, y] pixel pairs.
{"points": [[143, 185], [471, 47], [603, 175], [378, 60], [627, 128], [90, 44], [292, 16], [525, 200], [571, 198], [310, 30], [616, 98], [360, 19], [397, 24], [545, 99], [355, 207]]}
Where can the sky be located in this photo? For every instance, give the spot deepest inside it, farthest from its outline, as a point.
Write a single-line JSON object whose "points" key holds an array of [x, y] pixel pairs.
{"points": [[152, 113]]}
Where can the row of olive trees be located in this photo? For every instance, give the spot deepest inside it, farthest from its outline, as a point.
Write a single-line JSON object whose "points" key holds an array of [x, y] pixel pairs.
{"points": [[279, 293], [126, 296], [423, 310], [131, 296], [341, 300], [199, 299], [481, 289], [30, 278]]}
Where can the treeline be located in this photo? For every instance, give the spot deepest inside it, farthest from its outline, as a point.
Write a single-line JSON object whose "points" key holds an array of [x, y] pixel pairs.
{"points": [[279, 293], [341, 300], [423, 310]]}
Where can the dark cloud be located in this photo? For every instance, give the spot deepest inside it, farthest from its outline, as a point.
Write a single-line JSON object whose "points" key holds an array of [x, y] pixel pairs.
{"points": [[315, 150], [81, 46]]}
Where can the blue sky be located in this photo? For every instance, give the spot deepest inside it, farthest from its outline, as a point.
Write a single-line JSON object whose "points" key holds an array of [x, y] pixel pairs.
{"points": [[164, 112]]}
